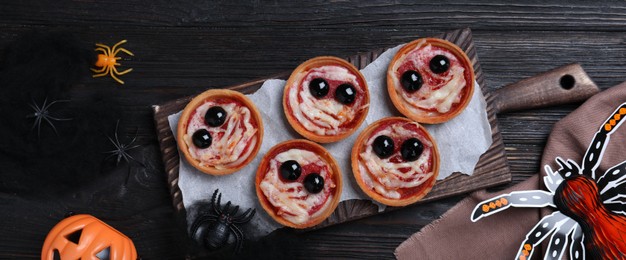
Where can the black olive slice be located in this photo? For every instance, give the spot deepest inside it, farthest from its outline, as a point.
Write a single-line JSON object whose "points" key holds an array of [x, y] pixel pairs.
{"points": [[215, 116], [383, 146], [411, 81], [345, 94], [319, 87], [439, 64], [313, 183], [290, 170], [202, 138], [411, 149]]}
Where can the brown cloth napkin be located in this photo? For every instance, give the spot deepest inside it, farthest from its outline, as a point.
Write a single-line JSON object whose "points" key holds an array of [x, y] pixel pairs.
{"points": [[499, 236]]}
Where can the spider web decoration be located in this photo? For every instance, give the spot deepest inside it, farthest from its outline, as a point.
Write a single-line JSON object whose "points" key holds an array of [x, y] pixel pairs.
{"points": [[42, 113], [38, 72], [589, 215], [122, 150]]}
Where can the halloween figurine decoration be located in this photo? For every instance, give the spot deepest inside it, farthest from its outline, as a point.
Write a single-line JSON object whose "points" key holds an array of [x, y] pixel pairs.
{"points": [[590, 207], [213, 230], [121, 150], [42, 113], [86, 237], [107, 61], [39, 71]]}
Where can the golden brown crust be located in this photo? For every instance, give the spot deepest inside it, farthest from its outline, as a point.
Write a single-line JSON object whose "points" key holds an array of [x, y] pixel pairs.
{"points": [[297, 75], [358, 148], [401, 104], [198, 101], [317, 149]]}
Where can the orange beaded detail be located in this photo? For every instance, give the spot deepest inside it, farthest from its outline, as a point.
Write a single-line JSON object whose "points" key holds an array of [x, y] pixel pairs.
{"points": [[608, 126], [494, 204]]}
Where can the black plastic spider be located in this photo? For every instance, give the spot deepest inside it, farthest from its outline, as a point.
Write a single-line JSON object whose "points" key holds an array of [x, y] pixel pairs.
{"points": [[42, 113], [121, 149], [213, 230]]}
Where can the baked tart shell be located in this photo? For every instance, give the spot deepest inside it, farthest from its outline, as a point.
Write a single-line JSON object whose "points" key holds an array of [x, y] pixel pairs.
{"points": [[357, 149], [317, 149], [298, 75], [183, 123], [457, 108]]}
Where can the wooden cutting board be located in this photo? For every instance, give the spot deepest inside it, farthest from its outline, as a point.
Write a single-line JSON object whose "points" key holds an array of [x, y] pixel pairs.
{"points": [[562, 85]]}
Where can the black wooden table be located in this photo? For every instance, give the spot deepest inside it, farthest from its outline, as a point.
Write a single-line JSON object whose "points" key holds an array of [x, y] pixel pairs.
{"points": [[183, 47]]}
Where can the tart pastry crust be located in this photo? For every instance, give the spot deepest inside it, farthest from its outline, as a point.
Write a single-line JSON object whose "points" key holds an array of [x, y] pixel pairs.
{"points": [[222, 97], [442, 96], [325, 120], [400, 189], [298, 150]]}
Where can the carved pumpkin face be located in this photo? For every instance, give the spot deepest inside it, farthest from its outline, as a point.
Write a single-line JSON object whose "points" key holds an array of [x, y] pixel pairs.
{"points": [[86, 237]]}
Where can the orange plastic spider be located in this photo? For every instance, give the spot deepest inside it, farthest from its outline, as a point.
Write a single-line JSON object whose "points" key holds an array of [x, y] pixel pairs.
{"points": [[107, 61]]}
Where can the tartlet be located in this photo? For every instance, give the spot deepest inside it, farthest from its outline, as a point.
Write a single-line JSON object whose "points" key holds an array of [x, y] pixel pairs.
{"points": [[326, 99], [298, 183], [390, 166], [220, 131], [430, 80]]}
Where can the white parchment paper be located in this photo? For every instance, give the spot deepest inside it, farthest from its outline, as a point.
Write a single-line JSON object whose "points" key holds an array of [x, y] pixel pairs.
{"points": [[461, 141]]}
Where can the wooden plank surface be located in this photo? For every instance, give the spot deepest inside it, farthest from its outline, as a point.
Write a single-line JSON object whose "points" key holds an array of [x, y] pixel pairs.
{"points": [[183, 47]]}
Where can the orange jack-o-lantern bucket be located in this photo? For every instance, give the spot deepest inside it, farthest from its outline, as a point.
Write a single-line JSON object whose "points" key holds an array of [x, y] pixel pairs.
{"points": [[86, 237]]}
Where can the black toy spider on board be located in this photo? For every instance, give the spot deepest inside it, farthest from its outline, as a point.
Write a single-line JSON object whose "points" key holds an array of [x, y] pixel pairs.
{"points": [[42, 113], [591, 209], [213, 230]]}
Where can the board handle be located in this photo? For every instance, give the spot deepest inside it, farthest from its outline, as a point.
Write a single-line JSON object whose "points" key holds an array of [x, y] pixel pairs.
{"points": [[565, 84]]}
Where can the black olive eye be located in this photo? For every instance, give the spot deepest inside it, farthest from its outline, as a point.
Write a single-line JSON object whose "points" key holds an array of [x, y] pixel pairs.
{"points": [[314, 183], [215, 116], [383, 146], [411, 149], [345, 94], [202, 138], [319, 87], [290, 170], [411, 81], [439, 64]]}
